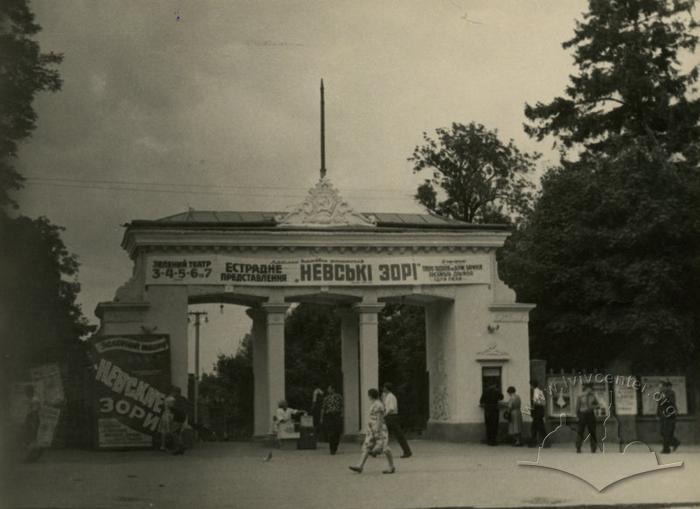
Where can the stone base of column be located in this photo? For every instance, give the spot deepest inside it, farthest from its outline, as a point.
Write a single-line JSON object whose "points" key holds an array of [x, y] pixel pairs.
{"points": [[456, 431]]}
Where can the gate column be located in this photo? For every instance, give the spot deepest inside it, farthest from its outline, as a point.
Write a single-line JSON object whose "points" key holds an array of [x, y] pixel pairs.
{"points": [[262, 418], [276, 313], [369, 353], [349, 339]]}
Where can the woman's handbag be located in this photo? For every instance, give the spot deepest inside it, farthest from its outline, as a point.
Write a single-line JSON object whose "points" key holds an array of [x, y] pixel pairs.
{"points": [[506, 415]]}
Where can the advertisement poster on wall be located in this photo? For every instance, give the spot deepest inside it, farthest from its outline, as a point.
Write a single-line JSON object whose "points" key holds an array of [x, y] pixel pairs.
{"points": [[625, 395], [48, 421], [560, 398], [47, 380], [132, 376], [651, 393]]}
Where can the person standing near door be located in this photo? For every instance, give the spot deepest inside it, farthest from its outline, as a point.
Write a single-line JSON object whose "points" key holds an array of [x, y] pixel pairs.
{"points": [[490, 402], [537, 431], [391, 408]]}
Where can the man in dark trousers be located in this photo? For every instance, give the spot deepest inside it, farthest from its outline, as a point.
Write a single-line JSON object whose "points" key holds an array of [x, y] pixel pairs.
{"points": [[586, 405], [537, 431], [391, 413], [490, 403], [667, 410]]}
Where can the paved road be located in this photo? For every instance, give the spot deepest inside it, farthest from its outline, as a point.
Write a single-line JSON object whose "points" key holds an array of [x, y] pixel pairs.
{"points": [[234, 475]]}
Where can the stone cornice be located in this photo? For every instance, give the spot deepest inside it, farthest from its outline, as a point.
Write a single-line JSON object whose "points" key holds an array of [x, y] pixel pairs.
{"points": [[515, 312], [185, 240]]}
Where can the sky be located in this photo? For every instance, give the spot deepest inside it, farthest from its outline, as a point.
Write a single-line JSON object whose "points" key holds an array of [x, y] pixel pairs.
{"points": [[168, 105]]}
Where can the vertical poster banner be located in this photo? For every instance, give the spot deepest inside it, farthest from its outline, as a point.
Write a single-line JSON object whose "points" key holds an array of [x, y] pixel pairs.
{"points": [[651, 393], [132, 377]]}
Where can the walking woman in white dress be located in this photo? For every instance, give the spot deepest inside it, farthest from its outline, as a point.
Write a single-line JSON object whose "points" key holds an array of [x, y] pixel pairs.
{"points": [[377, 435]]}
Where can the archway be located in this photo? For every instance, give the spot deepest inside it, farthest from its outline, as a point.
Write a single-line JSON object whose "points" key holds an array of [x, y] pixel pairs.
{"points": [[324, 251]]}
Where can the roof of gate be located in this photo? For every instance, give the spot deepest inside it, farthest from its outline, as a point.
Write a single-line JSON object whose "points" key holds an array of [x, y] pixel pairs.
{"points": [[211, 218]]}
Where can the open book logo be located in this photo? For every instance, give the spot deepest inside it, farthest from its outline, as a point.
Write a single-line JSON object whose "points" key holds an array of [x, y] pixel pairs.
{"points": [[600, 470]]}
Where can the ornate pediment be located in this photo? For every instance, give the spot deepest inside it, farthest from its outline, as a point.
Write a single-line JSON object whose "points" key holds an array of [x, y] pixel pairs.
{"points": [[324, 207], [492, 353]]}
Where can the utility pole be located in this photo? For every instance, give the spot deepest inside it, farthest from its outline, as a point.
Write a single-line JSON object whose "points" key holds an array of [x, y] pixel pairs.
{"points": [[198, 315]]}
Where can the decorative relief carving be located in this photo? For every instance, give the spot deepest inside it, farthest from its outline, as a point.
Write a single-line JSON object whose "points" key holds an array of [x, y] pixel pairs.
{"points": [[439, 400], [492, 352], [324, 207]]}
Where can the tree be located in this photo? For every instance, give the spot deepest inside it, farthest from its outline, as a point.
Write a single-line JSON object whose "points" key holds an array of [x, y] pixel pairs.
{"points": [[475, 176], [41, 320], [629, 81], [402, 360], [24, 71], [312, 352], [611, 251], [229, 391], [610, 256]]}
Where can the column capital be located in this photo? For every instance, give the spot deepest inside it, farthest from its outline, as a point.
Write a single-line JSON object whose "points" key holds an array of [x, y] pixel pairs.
{"points": [[368, 307], [275, 307]]}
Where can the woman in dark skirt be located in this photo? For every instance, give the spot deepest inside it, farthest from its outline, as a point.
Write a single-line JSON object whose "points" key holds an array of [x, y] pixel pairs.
{"points": [[514, 416]]}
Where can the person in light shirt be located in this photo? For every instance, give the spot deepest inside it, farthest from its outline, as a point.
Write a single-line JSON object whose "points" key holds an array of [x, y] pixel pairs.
{"points": [[283, 416], [537, 431], [391, 409]]}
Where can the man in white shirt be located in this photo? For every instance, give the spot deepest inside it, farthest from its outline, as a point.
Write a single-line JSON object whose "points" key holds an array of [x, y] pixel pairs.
{"points": [[391, 417], [537, 431]]}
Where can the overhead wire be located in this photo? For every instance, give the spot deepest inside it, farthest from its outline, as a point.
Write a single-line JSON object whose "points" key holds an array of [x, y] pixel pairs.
{"points": [[124, 187]]}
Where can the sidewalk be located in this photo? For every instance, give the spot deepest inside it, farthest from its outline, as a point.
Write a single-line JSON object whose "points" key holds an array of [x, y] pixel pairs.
{"points": [[218, 475]]}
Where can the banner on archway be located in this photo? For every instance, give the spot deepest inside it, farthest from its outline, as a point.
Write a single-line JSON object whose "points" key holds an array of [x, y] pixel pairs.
{"points": [[229, 269], [132, 377]]}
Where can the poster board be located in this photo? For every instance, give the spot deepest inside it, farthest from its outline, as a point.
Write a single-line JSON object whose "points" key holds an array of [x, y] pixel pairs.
{"points": [[47, 380], [651, 389], [132, 376], [562, 392], [560, 398], [625, 395]]}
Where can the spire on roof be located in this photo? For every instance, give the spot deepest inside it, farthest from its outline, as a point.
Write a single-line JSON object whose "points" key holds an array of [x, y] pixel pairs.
{"points": [[323, 133]]}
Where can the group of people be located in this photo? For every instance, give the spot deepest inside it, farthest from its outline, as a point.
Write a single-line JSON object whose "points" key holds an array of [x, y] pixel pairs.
{"points": [[327, 412], [492, 403], [586, 406]]}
